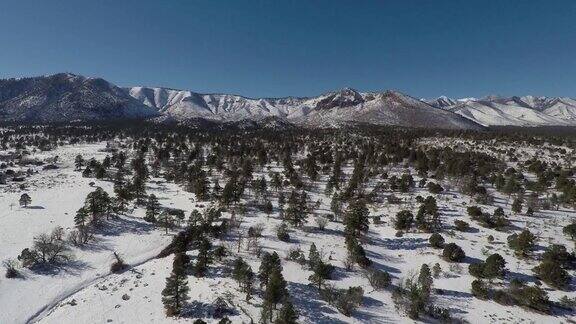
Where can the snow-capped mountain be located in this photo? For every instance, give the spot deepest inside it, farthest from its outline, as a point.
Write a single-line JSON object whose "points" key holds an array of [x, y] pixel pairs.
{"points": [[332, 109], [513, 111], [441, 102], [69, 97], [66, 97]]}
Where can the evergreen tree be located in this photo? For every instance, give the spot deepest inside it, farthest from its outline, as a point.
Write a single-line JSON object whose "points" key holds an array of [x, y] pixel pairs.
{"points": [[79, 162], [322, 272], [275, 292], [98, 204], [175, 294], [517, 206], [425, 280], [152, 208], [166, 220], [356, 219], [25, 200], [428, 217], [313, 256], [81, 218], [243, 274], [296, 211], [195, 218], [270, 262], [203, 258], [287, 314]]}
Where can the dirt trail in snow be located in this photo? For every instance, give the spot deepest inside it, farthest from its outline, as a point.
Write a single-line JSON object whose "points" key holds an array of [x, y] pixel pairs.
{"points": [[47, 309]]}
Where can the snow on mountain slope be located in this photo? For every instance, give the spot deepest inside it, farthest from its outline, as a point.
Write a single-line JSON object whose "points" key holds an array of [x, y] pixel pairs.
{"points": [[182, 104], [513, 111], [390, 108], [66, 97], [441, 102], [564, 108], [332, 109], [494, 114]]}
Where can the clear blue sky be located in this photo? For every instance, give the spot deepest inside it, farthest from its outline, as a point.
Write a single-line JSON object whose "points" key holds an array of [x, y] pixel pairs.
{"points": [[425, 48]]}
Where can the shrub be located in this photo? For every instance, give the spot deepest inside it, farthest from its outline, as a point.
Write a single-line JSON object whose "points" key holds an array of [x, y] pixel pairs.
{"points": [[358, 254], [551, 272], [404, 220], [119, 265], [378, 279], [479, 289], [434, 188], [283, 233], [345, 300], [474, 212], [558, 253], [476, 269], [436, 270], [11, 269], [570, 230], [532, 297], [567, 302], [461, 225], [296, 254], [349, 300], [522, 243], [453, 253], [503, 298], [494, 266], [436, 241], [256, 230], [220, 252], [321, 222]]}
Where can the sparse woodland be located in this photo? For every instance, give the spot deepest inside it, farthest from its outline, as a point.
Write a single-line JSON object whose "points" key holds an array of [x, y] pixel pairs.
{"points": [[363, 224]]}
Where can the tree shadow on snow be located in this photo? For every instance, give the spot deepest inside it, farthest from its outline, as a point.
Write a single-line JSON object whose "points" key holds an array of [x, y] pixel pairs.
{"points": [[35, 207], [198, 309], [72, 267], [309, 305], [116, 226], [400, 243]]}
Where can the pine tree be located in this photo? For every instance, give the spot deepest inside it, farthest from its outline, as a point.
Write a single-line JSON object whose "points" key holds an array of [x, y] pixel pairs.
{"points": [[175, 294], [270, 262], [425, 281], [98, 204], [356, 218], [195, 218], [287, 314], [152, 208], [78, 162], [517, 206], [166, 220], [297, 208], [428, 217], [322, 272], [243, 274], [25, 200], [275, 292], [336, 206], [203, 258], [313, 256], [81, 218]]}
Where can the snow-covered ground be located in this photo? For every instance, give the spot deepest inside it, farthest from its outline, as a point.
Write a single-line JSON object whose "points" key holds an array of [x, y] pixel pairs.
{"points": [[56, 196], [86, 292]]}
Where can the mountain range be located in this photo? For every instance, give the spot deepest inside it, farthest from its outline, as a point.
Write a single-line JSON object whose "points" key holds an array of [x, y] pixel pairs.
{"points": [[512, 111], [68, 97]]}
